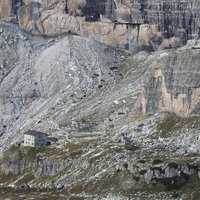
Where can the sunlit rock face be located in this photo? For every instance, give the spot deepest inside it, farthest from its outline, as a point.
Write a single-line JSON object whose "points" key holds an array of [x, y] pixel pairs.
{"points": [[172, 84], [130, 24]]}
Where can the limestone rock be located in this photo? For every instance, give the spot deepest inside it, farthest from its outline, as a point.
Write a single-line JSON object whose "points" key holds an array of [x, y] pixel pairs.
{"points": [[5, 8], [131, 25], [173, 84]]}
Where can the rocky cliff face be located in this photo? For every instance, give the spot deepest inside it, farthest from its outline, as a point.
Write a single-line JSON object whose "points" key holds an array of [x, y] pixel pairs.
{"points": [[131, 25], [173, 84]]}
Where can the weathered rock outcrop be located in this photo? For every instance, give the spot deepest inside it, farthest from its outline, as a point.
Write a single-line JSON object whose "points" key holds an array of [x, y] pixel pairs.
{"points": [[173, 84], [170, 175], [126, 24]]}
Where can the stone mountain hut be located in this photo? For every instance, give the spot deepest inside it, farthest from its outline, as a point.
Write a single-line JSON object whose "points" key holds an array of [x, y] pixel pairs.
{"points": [[35, 138]]}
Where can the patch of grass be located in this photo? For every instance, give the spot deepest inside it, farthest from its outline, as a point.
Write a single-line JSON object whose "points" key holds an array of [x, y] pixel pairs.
{"points": [[77, 189], [102, 186], [52, 153], [27, 178], [4, 178], [173, 123], [73, 147], [29, 153], [12, 154], [191, 189], [176, 182], [169, 124], [19, 194]]}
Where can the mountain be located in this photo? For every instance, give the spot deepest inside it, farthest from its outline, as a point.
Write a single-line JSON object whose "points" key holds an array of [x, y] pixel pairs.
{"points": [[117, 82], [130, 24]]}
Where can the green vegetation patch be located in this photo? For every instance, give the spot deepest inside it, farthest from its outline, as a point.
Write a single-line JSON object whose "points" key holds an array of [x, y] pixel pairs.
{"points": [[29, 153], [176, 182], [173, 123], [32, 154], [4, 178], [13, 153], [25, 179], [75, 149]]}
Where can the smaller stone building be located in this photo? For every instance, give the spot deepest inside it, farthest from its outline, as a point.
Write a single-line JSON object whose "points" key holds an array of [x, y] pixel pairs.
{"points": [[35, 138]]}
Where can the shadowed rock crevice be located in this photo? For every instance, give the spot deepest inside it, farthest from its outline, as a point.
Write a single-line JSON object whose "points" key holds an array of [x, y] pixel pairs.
{"points": [[95, 10]]}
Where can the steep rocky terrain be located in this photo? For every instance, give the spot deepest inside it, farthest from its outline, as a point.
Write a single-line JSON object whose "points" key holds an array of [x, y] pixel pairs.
{"points": [[127, 122], [130, 24], [100, 103], [173, 84]]}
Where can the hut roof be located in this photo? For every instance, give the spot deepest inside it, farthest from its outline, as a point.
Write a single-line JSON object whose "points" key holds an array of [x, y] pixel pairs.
{"points": [[34, 133]]}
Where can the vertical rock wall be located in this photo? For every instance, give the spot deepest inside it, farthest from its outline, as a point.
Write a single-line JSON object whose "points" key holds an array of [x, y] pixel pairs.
{"points": [[173, 84], [155, 23]]}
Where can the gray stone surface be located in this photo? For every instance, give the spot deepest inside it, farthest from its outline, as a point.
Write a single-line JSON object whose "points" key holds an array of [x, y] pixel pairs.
{"points": [[173, 83], [130, 24]]}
